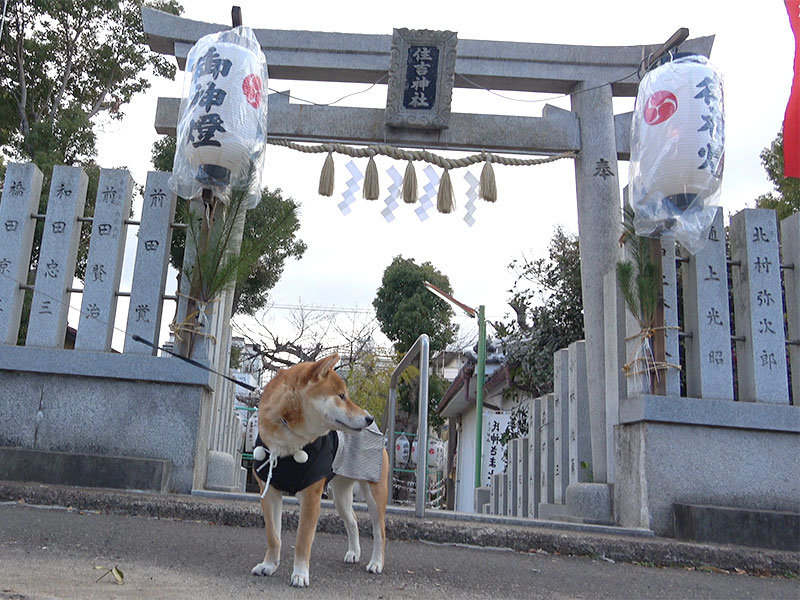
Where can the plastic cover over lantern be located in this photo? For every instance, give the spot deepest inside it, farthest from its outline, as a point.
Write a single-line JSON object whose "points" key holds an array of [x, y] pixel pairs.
{"points": [[222, 130], [678, 151]]}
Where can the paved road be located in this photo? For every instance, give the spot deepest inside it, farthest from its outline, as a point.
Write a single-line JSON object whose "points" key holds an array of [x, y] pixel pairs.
{"points": [[48, 552]]}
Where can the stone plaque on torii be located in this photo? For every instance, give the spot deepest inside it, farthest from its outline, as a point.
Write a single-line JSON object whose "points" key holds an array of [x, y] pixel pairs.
{"points": [[590, 75]]}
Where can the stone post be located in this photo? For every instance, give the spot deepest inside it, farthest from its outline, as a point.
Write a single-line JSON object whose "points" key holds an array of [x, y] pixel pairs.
{"points": [[790, 247], [598, 192], [761, 356], [707, 320], [561, 424], [104, 262], [579, 443], [534, 449], [152, 259], [21, 191], [57, 257]]}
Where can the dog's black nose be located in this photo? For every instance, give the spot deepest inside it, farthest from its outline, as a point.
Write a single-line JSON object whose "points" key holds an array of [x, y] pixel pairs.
{"points": [[369, 420]]}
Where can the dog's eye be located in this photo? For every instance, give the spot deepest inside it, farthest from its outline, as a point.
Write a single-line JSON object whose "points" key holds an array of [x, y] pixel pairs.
{"points": [[343, 396]]}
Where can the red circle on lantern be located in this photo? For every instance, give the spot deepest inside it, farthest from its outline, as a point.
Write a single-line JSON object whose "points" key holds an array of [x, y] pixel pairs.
{"points": [[660, 107], [251, 86]]}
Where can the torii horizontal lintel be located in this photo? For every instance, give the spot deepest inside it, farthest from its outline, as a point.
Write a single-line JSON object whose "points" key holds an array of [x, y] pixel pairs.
{"points": [[364, 58], [556, 131]]}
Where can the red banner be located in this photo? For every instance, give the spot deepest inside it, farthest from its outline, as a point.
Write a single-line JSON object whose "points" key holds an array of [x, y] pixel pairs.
{"points": [[791, 120]]}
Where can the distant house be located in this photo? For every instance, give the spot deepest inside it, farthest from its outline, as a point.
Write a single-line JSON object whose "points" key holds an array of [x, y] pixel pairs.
{"points": [[458, 407], [447, 363]]}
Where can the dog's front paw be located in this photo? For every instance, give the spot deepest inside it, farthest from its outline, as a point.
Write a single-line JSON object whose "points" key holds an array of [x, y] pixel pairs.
{"points": [[300, 577], [352, 557], [375, 566], [264, 569]]}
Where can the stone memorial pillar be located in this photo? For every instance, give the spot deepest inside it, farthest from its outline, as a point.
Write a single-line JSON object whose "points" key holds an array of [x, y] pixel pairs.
{"points": [[152, 259], [534, 452], [57, 257], [761, 357], [546, 489], [104, 262], [579, 443], [790, 246], [561, 424], [21, 191], [522, 478], [707, 320]]}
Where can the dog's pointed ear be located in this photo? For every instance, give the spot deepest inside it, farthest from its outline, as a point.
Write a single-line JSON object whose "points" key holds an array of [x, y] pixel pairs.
{"points": [[323, 365]]}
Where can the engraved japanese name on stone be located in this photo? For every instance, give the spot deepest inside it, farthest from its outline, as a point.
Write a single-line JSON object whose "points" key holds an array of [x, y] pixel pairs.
{"points": [[707, 318], [104, 261], [761, 355]]}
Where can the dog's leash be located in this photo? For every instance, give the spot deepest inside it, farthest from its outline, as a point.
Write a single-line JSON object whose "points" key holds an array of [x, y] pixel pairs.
{"points": [[246, 386]]}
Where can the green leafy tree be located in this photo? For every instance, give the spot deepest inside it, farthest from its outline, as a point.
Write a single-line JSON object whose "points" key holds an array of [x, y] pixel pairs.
{"points": [[272, 225], [406, 309], [785, 199], [548, 306], [63, 65]]}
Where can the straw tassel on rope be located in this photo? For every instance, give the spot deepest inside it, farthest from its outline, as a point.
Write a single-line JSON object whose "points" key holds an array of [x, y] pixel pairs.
{"points": [[371, 188], [410, 184], [445, 199], [326, 177], [488, 187]]}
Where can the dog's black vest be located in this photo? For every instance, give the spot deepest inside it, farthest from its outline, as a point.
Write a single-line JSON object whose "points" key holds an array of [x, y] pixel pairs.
{"points": [[291, 477]]}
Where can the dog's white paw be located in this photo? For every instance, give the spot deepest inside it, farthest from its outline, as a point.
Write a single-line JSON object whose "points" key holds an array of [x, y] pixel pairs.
{"points": [[352, 557], [264, 569], [375, 566], [300, 577]]}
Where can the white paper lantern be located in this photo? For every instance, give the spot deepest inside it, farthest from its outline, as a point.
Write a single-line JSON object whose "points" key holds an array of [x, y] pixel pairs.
{"points": [[224, 112], [401, 451], [222, 127], [252, 432], [677, 146], [436, 454]]}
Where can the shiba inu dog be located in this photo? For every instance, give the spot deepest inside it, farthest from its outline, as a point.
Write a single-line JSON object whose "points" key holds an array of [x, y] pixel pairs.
{"points": [[303, 407]]}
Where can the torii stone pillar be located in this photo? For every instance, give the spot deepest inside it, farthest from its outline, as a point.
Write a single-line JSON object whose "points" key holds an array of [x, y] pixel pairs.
{"points": [[599, 217]]}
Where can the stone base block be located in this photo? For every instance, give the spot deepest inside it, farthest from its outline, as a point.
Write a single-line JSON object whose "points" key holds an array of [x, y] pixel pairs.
{"points": [[705, 452], [774, 529], [85, 470], [551, 512], [482, 496], [590, 502], [222, 473]]}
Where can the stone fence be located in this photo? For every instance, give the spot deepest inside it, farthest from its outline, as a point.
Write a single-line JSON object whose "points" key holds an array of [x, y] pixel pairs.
{"points": [[91, 401], [720, 422]]}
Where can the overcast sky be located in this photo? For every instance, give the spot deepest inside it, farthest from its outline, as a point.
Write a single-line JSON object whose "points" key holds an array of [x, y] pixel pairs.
{"points": [[346, 255]]}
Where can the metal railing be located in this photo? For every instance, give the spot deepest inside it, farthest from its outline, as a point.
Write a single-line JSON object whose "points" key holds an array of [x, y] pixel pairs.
{"points": [[420, 348]]}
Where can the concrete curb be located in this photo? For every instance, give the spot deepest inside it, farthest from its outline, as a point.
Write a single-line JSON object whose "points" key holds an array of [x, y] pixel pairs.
{"points": [[521, 538]]}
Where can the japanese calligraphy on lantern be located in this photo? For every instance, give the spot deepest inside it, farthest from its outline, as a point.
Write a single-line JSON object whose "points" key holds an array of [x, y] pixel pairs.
{"points": [[222, 131], [421, 78]]}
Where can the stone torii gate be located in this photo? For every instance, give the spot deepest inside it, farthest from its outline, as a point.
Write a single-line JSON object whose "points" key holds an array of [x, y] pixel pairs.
{"points": [[591, 75]]}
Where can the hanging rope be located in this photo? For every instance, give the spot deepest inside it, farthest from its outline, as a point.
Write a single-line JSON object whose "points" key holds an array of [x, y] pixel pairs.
{"points": [[446, 202]]}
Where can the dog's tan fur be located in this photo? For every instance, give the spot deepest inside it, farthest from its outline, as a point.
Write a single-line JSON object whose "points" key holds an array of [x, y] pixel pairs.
{"points": [[300, 404]]}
